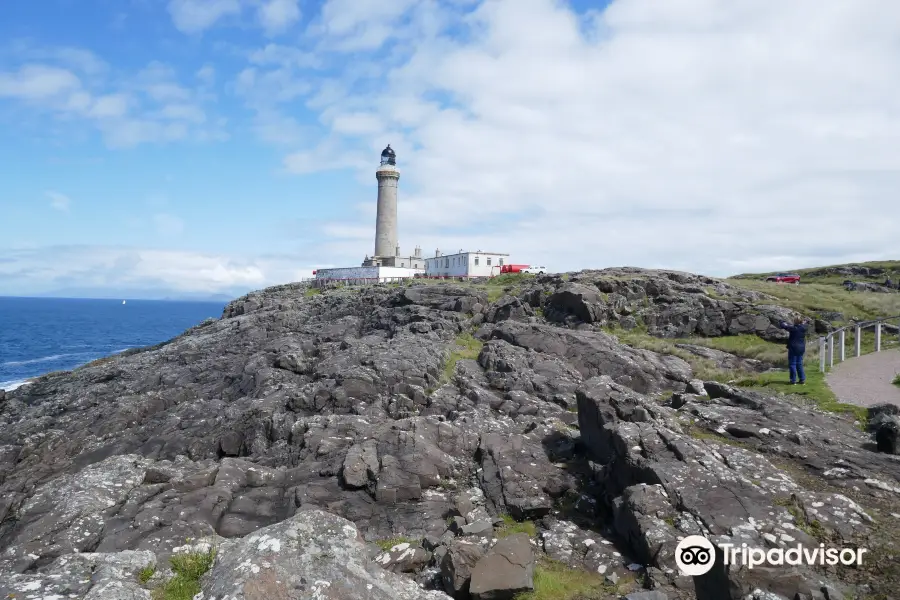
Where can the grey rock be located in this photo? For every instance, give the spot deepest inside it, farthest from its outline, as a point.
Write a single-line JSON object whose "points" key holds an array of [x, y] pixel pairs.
{"points": [[457, 565], [649, 595], [313, 554], [477, 528], [360, 466], [506, 570], [89, 576]]}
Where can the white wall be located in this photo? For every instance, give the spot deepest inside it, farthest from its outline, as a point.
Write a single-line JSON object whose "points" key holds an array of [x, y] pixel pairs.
{"points": [[384, 272], [379, 273], [463, 265], [348, 273]]}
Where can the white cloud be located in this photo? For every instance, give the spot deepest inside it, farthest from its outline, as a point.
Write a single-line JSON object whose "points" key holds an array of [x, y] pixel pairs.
{"points": [[151, 106], [37, 82], [195, 16], [276, 16], [92, 269], [206, 75], [706, 134], [59, 202]]}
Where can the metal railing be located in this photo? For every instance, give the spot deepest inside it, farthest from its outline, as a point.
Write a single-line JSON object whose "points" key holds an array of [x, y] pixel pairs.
{"points": [[827, 343]]}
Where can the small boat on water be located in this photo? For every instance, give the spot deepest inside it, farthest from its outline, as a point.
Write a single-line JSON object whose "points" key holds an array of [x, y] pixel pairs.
{"points": [[123, 302]]}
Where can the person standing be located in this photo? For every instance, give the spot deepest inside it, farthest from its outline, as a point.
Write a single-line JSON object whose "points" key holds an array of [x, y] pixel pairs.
{"points": [[796, 345]]}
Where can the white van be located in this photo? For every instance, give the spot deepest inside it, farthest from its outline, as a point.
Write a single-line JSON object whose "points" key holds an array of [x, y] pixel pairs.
{"points": [[535, 269]]}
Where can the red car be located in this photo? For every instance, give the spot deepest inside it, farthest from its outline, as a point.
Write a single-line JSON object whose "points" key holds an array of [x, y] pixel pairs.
{"points": [[785, 278]]}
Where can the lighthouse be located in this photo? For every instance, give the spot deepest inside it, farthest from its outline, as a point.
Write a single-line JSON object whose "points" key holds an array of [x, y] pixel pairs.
{"points": [[388, 175]]}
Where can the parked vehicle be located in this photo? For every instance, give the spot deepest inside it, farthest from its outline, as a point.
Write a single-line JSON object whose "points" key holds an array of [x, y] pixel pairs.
{"points": [[785, 278], [535, 269], [512, 268]]}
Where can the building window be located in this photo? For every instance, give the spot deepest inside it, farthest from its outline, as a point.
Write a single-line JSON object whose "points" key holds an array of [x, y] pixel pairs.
{"points": [[501, 262], [447, 263], [489, 261], [476, 261]]}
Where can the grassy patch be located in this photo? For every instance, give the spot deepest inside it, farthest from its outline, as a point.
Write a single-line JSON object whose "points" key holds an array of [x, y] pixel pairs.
{"points": [[812, 297], [309, 293], [511, 527], [745, 346], [188, 568], [896, 380], [704, 434], [389, 543], [811, 527], [466, 346], [703, 368], [147, 573], [816, 390], [556, 581], [508, 279], [495, 293], [818, 274]]}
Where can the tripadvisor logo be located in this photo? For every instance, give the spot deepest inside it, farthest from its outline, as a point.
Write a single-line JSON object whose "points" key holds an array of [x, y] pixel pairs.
{"points": [[695, 555]]}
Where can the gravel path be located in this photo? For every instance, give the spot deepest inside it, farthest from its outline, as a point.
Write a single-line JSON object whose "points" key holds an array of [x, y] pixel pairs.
{"points": [[866, 380]]}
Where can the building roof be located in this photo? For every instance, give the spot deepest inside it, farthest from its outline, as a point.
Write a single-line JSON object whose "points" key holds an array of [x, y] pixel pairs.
{"points": [[468, 252]]}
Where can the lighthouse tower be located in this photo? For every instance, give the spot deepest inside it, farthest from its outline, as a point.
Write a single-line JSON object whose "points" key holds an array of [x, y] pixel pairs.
{"points": [[387, 249], [388, 176]]}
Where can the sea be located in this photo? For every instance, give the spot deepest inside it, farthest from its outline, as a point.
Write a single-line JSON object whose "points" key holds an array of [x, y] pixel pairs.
{"points": [[42, 335]]}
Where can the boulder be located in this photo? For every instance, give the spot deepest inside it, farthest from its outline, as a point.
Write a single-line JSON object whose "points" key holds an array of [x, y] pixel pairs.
{"points": [[457, 565], [89, 576], [313, 554], [505, 571]]}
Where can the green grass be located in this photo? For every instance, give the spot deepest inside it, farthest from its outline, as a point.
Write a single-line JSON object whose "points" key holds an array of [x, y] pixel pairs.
{"points": [[466, 346], [745, 346], [511, 527], [188, 568], [896, 380], [749, 346], [815, 275], [703, 434], [808, 298], [389, 543], [508, 279], [556, 581], [812, 527], [495, 293], [815, 390], [309, 293], [147, 573], [703, 368]]}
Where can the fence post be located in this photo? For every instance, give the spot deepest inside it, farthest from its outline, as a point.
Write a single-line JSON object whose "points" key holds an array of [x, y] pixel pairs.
{"points": [[878, 337], [830, 350], [857, 338], [843, 354], [822, 354]]}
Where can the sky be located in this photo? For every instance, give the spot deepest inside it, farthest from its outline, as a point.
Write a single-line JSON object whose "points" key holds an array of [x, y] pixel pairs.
{"points": [[220, 146]]}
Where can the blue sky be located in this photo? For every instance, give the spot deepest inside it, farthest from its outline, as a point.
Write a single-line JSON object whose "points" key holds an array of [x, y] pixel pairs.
{"points": [[217, 146]]}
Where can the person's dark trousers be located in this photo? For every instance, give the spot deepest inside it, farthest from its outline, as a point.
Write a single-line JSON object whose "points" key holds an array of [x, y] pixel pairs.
{"points": [[795, 363]]}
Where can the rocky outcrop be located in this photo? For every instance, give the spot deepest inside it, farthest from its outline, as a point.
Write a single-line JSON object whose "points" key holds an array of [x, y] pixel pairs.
{"points": [[313, 554], [349, 430], [668, 303]]}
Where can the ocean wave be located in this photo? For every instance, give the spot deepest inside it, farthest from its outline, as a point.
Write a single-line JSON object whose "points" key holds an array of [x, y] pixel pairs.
{"points": [[52, 357], [8, 386]]}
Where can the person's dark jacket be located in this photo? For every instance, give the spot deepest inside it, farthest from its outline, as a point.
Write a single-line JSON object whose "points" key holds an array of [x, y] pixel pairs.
{"points": [[796, 337]]}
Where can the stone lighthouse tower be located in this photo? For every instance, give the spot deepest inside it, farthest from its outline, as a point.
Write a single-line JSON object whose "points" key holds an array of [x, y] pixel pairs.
{"points": [[388, 175]]}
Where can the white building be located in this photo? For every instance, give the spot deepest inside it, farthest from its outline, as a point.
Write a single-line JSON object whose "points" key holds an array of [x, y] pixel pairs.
{"points": [[358, 275], [465, 264]]}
